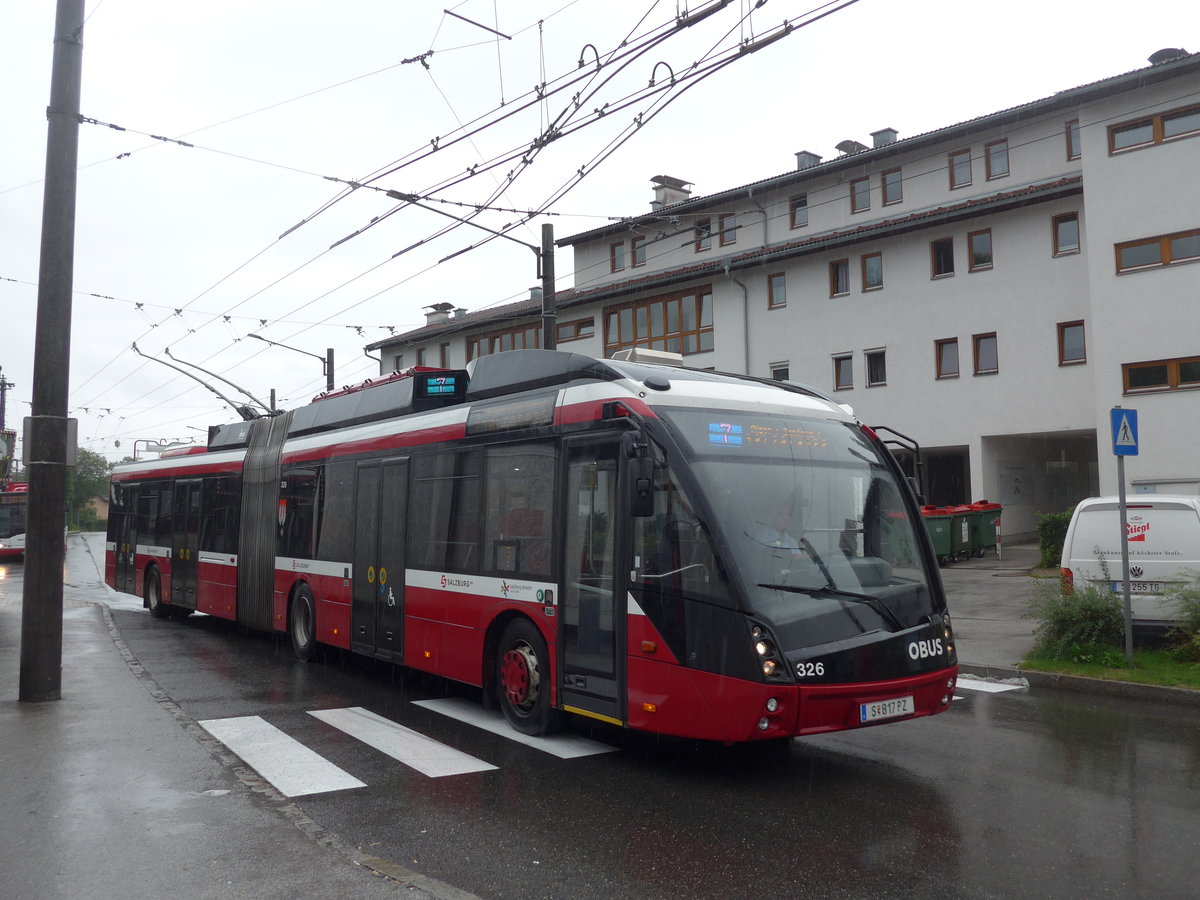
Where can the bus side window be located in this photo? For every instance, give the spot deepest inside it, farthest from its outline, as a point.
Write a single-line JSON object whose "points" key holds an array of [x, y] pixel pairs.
{"points": [[445, 510]]}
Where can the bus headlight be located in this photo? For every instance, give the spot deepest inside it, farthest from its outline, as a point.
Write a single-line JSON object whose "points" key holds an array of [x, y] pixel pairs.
{"points": [[769, 667], [763, 648], [772, 704]]}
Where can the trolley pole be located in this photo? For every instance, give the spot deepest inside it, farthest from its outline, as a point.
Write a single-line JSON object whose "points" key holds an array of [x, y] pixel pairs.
{"points": [[47, 431]]}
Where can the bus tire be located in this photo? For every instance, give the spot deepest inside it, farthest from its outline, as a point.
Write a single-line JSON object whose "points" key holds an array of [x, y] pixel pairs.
{"points": [[523, 678], [302, 624], [153, 595]]}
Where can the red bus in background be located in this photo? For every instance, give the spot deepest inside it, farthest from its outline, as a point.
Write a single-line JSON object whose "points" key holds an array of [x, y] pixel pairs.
{"points": [[14, 507], [672, 550]]}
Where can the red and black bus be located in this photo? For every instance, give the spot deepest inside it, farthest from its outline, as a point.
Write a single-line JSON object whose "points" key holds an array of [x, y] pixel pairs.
{"points": [[14, 508], [679, 551]]}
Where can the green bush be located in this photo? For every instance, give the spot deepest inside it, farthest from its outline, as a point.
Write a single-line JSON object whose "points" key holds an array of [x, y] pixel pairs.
{"points": [[1052, 532], [1084, 623], [1185, 637]]}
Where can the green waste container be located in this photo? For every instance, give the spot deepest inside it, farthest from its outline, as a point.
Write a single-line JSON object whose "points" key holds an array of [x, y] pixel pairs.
{"points": [[985, 525], [937, 522], [960, 531]]}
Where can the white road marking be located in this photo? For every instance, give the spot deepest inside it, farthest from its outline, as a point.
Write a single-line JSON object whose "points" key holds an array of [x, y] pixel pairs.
{"points": [[287, 764], [564, 746], [412, 748], [992, 687]]}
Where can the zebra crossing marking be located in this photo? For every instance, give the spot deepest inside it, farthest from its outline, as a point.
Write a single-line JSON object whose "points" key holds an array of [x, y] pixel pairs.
{"points": [[413, 749], [564, 746], [293, 769]]}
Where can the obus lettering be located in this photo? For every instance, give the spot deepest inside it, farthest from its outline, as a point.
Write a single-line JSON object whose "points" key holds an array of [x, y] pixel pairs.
{"points": [[925, 649]]}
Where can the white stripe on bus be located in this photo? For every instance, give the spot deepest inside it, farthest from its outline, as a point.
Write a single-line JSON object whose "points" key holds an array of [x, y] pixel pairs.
{"points": [[314, 567], [427, 756], [292, 768]]}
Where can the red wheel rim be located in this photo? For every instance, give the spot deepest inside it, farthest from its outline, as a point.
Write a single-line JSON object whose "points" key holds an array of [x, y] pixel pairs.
{"points": [[519, 676]]}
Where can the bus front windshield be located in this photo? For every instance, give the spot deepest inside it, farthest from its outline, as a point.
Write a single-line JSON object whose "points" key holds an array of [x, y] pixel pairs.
{"points": [[12, 518], [815, 521]]}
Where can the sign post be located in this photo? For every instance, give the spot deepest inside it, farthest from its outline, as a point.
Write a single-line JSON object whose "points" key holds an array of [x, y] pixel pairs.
{"points": [[1125, 443]]}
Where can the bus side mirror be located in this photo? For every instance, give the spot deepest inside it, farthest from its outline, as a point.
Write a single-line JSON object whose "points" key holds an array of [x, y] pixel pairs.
{"points": [[641, 487], [639, 482]]}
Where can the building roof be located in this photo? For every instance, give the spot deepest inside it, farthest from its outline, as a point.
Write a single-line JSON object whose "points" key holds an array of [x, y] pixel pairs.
{"points": [[1067, 98]]}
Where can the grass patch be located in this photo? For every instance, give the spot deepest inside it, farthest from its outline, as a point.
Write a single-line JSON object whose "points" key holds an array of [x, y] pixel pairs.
{"points": [[1161, 667]]}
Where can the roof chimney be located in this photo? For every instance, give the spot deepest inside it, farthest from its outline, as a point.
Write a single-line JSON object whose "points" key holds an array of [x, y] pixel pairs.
{"points": [[668, 190], [460, 312], [1166, 55], [535, 293], [438, 313], [884, 136], [804, 159]]}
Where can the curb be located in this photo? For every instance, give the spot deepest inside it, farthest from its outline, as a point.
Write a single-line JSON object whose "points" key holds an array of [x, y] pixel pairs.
{"points": [[1082, 685]]}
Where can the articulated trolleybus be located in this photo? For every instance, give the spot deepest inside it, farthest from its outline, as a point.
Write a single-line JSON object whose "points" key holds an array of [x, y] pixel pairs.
{"points": [[665, 549], [14, 505]]}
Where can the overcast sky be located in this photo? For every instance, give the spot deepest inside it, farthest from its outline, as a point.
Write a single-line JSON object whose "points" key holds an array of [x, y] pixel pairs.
{"points": [[180, 247]]}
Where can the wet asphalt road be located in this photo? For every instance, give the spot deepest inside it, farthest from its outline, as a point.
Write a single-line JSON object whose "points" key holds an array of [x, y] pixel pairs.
{"points": [[1016, 794], [1020, 794]]}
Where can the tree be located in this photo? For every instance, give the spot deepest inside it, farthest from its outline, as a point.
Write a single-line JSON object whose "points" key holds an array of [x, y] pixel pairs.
{"points": [[86, 481]]}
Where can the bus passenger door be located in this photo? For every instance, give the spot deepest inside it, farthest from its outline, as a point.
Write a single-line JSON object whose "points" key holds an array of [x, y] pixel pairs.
{"points": [[185, 547], [377, 610], [593, 607], [124, 532]]}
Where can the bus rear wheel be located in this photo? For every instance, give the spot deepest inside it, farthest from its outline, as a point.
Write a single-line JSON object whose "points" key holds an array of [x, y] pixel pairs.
{"points": [[302, 624], [523, 678], [153, 593]]}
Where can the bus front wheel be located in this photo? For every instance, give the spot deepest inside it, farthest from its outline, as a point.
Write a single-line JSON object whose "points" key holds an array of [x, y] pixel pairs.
{"points": [[154, 600], [302, 624], [523, 678]]}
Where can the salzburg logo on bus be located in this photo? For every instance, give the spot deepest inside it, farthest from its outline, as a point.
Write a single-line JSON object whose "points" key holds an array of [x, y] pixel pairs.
{"points": [[1137, 530]]}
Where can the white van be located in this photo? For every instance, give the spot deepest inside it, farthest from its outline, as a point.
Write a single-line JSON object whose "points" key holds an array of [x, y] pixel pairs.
{"points": [[1164, 551]]}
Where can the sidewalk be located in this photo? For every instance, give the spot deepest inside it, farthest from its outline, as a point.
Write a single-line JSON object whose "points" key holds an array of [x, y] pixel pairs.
{"points": [[112, 792]]}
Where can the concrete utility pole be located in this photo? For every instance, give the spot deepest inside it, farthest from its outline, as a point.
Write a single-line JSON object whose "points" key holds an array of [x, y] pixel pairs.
{"points": [[41, 611], [549, 311]]}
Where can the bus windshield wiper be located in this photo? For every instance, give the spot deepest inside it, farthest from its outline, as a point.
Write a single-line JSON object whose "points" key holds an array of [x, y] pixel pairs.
{"points": [[874, 602]]}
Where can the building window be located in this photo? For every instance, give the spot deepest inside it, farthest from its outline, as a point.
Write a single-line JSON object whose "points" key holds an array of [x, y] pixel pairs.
{"points": [[839, 277], [398, 362], [444, 355], [1162, 375], [728, 229], [860, 195], [843, 372], [1156, 252], [779, 371], [941, 254], [892, 186], [1066, 234], [872, 271], [946, 357], [798, 210], [776, 290], [576, 330], [616, 256], [703, 236], [1071, 347], [522, 337], [876, 368], [986, 361], [678, 323], [960, 169], [1154, 129], [421, 356], [995, 156], [1074, 149], [637, 247], [979, 247]]}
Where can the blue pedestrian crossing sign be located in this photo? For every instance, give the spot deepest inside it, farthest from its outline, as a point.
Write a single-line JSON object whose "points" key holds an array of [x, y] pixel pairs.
{"points": [[1124, 431]]}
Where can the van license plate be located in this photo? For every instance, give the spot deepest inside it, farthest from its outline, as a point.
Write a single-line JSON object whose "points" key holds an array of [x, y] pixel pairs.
{"points": [[885, 709], [1139, 587]]}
